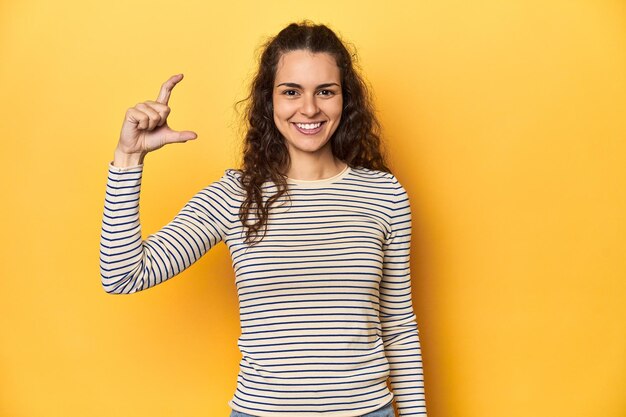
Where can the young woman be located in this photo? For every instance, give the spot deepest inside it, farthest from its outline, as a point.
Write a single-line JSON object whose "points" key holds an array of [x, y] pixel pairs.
{"points": [[318, 228]]}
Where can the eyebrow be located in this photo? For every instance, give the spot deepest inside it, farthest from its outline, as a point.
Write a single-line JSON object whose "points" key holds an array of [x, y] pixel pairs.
{"points": [[294, 85]]}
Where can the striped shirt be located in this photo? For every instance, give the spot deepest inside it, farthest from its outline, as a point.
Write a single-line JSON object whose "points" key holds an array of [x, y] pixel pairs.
{"points": [[324, 299]]}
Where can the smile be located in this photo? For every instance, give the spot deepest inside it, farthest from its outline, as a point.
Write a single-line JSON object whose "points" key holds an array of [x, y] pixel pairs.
{"points": [[309, 128]]}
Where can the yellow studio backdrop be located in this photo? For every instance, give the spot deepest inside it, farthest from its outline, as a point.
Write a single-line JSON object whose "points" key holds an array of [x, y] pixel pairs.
{"points": [[506, 123]]}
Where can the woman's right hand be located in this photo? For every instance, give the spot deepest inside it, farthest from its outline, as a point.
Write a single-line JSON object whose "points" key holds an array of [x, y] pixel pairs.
{"points": [[145, 126]]}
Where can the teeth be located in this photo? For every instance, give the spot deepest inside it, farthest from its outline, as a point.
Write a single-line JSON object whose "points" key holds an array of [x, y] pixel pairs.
{"points": [[308, 126]]}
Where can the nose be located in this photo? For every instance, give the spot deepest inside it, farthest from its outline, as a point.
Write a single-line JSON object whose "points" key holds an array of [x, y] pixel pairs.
{"points": [[309, 105]]}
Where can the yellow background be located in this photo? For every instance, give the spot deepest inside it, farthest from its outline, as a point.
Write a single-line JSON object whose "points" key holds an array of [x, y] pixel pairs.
{"points": [[506, 123]]}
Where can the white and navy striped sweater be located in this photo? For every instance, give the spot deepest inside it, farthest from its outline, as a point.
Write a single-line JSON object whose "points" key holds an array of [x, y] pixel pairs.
{"points": [[325, 297]]}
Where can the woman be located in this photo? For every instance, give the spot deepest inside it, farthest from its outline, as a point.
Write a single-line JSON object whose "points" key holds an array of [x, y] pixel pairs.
{"points": [[325, 291]]}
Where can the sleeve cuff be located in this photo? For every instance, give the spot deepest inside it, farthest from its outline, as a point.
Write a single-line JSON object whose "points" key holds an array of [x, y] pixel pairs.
{"points": [[124, 169]]}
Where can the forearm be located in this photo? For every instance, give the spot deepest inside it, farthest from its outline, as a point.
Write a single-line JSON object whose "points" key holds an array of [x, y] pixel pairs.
{"points": [[121, 251]]}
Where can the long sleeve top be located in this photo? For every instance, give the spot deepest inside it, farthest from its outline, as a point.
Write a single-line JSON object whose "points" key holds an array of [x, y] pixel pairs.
{"points": [[325, 298]]}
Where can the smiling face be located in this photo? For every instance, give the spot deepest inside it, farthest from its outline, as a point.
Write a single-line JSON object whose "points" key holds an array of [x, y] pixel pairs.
{"points": [[307, 101]]}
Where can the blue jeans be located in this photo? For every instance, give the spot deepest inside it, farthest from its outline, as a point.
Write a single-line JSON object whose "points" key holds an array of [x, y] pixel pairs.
{"points": [[384, 411]]}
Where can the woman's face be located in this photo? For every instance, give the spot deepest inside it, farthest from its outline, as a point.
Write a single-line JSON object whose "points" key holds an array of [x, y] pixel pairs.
{"points": [[307, 100]]}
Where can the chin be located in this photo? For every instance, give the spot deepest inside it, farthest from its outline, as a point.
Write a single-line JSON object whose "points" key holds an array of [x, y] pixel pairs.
{"points": [[308, 147]]}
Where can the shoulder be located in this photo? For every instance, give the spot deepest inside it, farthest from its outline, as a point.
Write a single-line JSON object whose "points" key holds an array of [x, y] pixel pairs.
{"points": [[232, 175], [231, 182], [373, 178], [233, 172]]}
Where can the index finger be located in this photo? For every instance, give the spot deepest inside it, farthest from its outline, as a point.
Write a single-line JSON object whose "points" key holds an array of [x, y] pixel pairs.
{"points": [[166, 88]]}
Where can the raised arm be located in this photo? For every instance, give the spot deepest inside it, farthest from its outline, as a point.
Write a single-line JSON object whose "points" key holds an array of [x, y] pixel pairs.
{"points": [[399, 326], [128, 264]]}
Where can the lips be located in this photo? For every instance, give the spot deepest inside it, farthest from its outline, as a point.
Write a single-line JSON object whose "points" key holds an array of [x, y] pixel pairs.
{"points": [[309, 131]]}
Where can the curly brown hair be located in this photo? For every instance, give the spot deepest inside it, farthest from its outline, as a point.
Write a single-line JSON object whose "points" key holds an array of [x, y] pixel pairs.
{"points": [[357, 140]]}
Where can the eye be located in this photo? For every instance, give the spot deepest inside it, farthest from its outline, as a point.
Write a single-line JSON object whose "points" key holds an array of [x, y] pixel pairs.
{"points": [[330, 93], [289, 91]]}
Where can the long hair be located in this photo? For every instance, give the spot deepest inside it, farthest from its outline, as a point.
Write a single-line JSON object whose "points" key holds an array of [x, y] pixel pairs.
{"points": [[357, 140]]}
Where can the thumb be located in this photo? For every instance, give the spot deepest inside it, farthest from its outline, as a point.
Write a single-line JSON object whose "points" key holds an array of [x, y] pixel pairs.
{"points": [[173, 136]]}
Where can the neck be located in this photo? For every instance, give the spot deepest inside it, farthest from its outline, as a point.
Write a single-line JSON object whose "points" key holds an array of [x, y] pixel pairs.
{"points": [[315, 170]]}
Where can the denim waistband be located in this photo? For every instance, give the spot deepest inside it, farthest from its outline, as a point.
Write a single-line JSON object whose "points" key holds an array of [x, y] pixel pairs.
{"points": [[384, 411]]}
